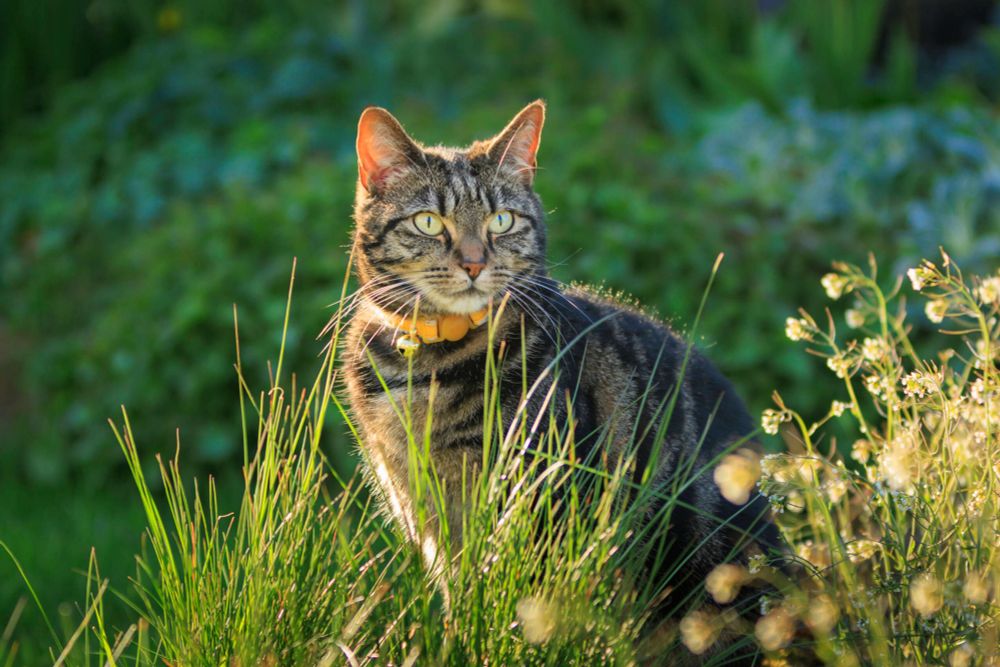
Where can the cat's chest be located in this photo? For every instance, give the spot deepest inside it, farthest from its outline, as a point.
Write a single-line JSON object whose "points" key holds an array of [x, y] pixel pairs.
{"points": [[436, 396]]}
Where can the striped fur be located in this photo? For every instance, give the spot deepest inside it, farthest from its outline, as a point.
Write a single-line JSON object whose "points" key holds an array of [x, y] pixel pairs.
{"points": [[621, 354]]}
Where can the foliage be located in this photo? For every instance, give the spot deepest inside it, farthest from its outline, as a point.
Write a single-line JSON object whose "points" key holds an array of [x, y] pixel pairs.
{"points": [[171, 207], [190, 173], [206, 147], [52, 535], [725, 53], [683, 55], [901, 180], [900, 548]]}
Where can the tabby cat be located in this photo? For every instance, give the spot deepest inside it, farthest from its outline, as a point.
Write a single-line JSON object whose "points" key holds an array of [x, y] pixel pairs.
{"points": [[452, 230]]}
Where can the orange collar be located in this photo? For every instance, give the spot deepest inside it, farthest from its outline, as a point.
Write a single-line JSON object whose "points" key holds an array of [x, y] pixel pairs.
{"points": [[424, 330]]}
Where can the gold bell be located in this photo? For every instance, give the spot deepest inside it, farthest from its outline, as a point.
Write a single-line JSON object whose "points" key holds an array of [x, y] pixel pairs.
{"points": [[408, 344]]}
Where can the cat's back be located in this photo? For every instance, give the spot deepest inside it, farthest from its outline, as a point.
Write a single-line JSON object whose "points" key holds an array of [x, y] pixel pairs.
{"points": [[669, 406], [640, 362]]}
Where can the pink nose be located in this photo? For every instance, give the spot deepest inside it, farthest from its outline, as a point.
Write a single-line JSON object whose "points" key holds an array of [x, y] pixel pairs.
{"points": [[473, 268]]}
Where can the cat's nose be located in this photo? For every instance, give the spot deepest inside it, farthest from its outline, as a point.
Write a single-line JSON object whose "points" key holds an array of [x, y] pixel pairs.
{"points": [[473, 266], [471, 256]]}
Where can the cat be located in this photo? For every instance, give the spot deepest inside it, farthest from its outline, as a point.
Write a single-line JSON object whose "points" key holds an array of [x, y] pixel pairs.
{"points": [[451, 231]]}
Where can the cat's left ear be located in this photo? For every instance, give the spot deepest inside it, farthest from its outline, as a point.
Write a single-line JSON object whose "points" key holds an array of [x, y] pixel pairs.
{"points": [[515, 148]]}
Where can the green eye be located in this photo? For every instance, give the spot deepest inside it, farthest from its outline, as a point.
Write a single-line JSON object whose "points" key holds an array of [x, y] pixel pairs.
{"points": [[428, 223], [501, 222]]}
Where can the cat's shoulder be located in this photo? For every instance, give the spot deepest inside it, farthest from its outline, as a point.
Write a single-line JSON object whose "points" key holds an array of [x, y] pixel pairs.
{"points": [[603, 301]]}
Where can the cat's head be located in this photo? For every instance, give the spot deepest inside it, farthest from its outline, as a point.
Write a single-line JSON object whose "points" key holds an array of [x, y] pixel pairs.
{"points": [[454, 226]]}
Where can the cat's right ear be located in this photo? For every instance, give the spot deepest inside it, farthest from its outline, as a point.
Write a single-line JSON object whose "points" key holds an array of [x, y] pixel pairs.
{"points": [[385, 151]]}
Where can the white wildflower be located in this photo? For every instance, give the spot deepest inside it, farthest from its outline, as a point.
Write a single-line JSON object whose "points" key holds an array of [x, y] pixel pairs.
{"points": [[861, 450], [878, 386], [961, 656], [919, 384], [989, 291], [834, 284], [926, 594], [797, 329], [822, 615], [837, 408], [899, 461], [723, 583], [770, 420], [861, 550], [936, 309], [537, 618], [756, 562], [839, 364], [737, 475], [874, 349], [917, 278], [976, 588], [817, 555], [977, 391], [775, 630], [836, 488], [855, 318], [698, 631]]}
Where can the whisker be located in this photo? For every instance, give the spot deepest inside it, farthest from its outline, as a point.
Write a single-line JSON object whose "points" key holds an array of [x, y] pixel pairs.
{"points": [[552, 265], [369, 284], [533, 294], [532, 309], [384, 326], [547, 285], [355, 302]]}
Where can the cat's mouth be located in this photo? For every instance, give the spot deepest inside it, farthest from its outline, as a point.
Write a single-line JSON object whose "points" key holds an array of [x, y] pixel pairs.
{"points": [[462, 296], [467, 300]]}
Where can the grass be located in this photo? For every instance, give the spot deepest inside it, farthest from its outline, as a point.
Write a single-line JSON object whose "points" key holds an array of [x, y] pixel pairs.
{"points": [[38, 533], [306, 571], [894, 556]]}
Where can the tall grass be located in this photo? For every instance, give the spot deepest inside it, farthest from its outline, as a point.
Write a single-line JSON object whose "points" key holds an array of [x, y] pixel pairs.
{"points": [[307, 570]]}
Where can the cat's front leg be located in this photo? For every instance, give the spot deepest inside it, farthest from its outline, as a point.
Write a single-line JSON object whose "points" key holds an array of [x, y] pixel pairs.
{"points": [[391, 478], [421, 528]]}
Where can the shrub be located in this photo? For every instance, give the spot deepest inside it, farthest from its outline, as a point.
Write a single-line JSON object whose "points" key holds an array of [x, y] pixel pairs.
{"points": [[898, 545]]}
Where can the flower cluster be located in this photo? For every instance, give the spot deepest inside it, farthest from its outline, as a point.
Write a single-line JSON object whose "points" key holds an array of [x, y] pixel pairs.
{"points": [[988, 291], [894, 543], [918, 384], [835, 285], [922, 275], [737, 475], [855, 318], [796, 328], [771, 420]]}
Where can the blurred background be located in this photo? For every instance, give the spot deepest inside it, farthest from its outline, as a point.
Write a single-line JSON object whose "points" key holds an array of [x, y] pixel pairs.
{"points": [[161, 161]]}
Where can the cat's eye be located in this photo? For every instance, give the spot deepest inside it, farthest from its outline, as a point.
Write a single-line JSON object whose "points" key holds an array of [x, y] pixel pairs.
{"points": [[501, 222], [428, 223]]}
